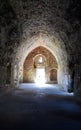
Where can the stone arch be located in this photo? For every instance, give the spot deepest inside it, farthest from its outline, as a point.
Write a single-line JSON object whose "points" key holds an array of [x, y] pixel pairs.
{"points": [[54, 45], [37, 57], [32, 64]]}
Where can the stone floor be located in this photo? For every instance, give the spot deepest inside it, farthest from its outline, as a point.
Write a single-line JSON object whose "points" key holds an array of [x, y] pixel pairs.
{"points": [[30, 107]]}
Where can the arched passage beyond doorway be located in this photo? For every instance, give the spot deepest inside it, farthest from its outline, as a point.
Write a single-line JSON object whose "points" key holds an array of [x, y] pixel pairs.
{"points": [[40, 60]]}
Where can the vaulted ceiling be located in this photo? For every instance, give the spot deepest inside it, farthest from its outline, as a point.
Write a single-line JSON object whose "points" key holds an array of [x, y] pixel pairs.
{"points": [[23, 19]]}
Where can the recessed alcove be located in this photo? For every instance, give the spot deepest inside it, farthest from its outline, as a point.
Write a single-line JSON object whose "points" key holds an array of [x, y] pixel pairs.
{"points": [[53, 75]]}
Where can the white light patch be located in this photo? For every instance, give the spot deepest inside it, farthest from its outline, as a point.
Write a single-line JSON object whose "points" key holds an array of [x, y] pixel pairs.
{"points": [[40, 76], [40, 59]]}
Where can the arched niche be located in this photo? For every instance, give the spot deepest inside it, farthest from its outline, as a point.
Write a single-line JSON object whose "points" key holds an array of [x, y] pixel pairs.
{"points": [[53, 75]]}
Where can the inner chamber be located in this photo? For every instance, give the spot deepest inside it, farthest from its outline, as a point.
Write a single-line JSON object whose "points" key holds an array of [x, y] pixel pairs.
{"points": [[40, 66]]}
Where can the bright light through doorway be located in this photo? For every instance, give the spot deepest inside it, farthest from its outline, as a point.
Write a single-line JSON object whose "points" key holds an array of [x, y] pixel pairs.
{"points": [[40, 76]]}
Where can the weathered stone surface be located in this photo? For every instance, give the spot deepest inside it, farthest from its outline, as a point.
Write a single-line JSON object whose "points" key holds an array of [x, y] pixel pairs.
{"points": [[24, 23]]}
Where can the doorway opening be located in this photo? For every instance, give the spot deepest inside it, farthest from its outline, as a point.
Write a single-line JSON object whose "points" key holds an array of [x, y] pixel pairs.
{"points": [[40, 76]]}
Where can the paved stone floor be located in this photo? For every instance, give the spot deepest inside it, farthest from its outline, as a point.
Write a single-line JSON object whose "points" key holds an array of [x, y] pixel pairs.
{"points": [[30, 107]]}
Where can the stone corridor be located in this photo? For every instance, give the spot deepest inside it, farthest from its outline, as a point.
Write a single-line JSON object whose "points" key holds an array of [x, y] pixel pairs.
{"points": [[40, 42]]}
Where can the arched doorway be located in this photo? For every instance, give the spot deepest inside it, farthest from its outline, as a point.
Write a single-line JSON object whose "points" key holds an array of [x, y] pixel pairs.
{"points": [[52, 44], [37, 65]]}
